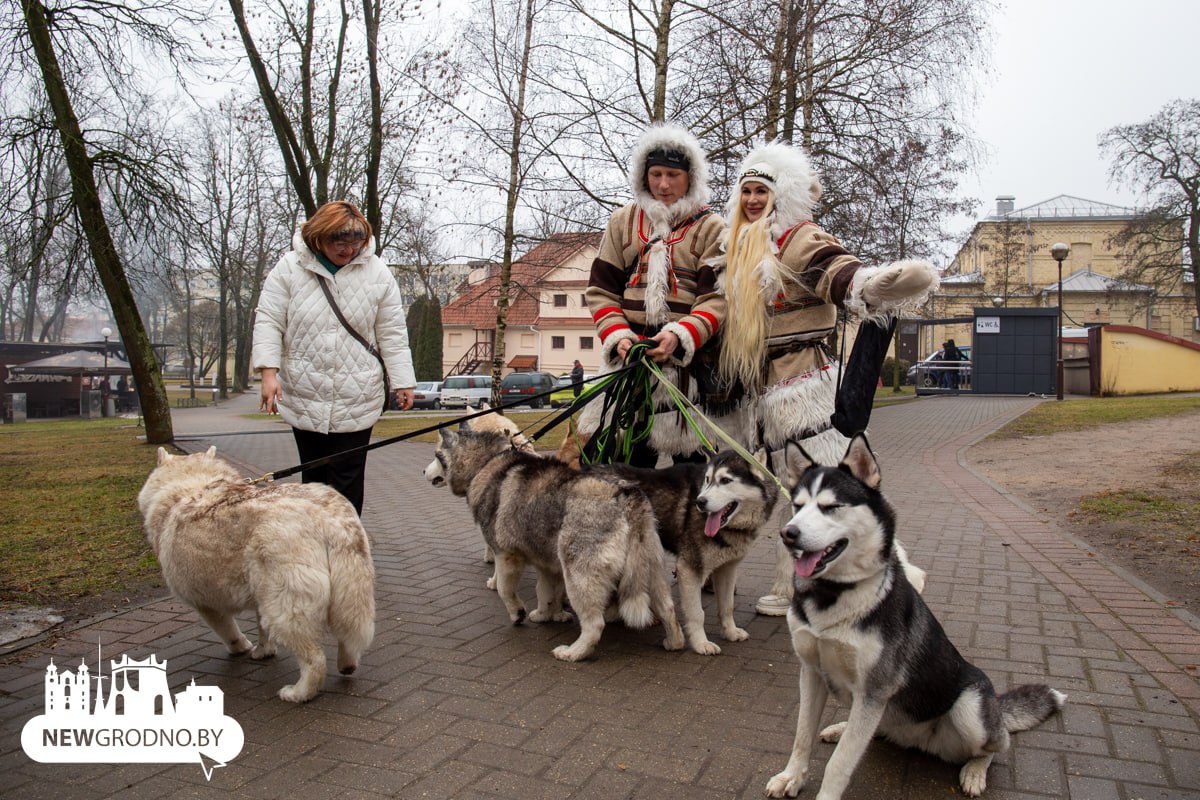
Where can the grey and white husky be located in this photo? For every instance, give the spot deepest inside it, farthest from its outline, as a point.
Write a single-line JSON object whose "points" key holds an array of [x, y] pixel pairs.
{"points": [[708, 516], [594, 536], [863, 633]]}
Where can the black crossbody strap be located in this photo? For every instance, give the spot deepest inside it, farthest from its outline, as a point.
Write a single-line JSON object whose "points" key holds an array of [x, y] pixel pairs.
{"points": [[358, 337]]}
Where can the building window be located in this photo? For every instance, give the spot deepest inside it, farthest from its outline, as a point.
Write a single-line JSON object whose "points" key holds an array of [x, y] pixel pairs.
{"points": [[560, 301], [585, 342], [558, 342], [583, 301]]}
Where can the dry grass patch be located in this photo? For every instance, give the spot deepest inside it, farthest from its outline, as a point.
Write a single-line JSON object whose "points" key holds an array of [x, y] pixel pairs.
{"points": [[1076, 415], [69, 524]]}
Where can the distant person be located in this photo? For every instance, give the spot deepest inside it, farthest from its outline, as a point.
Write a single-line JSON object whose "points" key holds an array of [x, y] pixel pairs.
{"points": [[577, 377], [952, 355], [316, 374]]}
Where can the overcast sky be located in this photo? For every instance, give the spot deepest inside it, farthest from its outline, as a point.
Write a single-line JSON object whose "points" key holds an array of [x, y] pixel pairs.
{"points": [[1064, 71]]}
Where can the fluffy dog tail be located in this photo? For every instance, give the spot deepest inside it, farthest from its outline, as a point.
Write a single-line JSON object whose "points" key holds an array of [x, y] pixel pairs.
{"points": [[1026, 706], [643, 563], [351, 595]]}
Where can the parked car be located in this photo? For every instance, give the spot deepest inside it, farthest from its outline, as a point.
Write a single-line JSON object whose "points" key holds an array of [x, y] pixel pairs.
{"points": [[564, 395], [466, 391], [427, 394], [518, 385], [926, 371]]}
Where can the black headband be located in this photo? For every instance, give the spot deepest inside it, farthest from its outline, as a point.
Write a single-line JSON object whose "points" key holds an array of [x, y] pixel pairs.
{"points": [[662, 157]]}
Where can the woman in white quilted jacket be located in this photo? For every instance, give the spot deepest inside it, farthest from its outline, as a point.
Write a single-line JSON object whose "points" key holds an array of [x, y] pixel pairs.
{"points": [[316, 373]]}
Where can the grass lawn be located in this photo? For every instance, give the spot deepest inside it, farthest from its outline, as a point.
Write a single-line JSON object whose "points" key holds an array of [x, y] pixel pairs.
{"points": [[1076, 415], [69, 524]]}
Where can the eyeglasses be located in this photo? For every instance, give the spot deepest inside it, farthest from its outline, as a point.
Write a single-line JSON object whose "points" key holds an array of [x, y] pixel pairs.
{"points": [[348, 238]]}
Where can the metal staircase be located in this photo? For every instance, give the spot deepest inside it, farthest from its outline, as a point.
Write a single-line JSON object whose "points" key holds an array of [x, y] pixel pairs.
{"points": [[480, 353]]}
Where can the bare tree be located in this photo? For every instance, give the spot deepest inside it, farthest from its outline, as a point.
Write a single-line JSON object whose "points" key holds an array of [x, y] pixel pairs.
{"points": [[315, 96], [1161, 159], [1010, 246], [102, 31]]}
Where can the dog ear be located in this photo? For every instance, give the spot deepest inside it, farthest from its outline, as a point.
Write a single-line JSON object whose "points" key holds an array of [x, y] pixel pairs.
{"points": [[163, 456], [761, 456], [212, 451], [465, 425], [796, 461], [448, 436], [861, 463]]}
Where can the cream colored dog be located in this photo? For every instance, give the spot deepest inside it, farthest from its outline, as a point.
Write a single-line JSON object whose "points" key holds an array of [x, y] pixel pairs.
{"points": [[296, 554]]}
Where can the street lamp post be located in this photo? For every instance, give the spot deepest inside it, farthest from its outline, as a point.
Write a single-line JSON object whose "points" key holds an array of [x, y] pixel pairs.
{"points": [[105, 332], [1059, 251]]}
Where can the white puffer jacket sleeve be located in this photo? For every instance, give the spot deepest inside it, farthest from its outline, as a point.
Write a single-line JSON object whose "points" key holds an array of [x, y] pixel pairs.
{"points": [[329, 381]]}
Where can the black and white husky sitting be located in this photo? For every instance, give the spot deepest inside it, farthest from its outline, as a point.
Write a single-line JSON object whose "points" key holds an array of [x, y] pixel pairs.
{"points": [[708, 516], [863, 633]]}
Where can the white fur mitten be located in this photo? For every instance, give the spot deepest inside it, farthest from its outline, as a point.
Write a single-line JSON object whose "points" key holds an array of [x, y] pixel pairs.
{"points": [[877, 292]]}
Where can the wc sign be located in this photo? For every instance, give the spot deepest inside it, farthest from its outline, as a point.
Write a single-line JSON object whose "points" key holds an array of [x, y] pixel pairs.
{"points": [[987, 324], [134, 720]]}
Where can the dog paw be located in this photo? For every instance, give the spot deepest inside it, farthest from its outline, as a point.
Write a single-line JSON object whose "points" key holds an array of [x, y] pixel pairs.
{"points": [[293, 694], [735, 634], [262, 651], [707, 648], [538, 615], [833, 732], [785, 785], [518, 617], [491, 583], [973, 778], [569, 653], [239, 647]]}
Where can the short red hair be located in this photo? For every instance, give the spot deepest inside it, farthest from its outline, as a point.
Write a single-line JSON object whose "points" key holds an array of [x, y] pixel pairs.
{"points": [[334, 219]]}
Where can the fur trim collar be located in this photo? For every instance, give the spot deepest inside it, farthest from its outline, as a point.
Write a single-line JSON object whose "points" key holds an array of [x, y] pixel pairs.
{"points": [[670, 136], [794, 181]]}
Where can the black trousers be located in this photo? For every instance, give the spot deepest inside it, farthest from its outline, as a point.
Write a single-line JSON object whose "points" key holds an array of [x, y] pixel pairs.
{"points": [[343, 474]]}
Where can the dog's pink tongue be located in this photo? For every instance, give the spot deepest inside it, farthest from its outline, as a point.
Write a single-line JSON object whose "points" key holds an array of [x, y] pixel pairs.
{"points": [[712, 524], [807, 563]]}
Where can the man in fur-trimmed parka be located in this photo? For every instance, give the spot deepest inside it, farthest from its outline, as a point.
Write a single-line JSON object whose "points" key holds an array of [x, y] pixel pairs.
{"points": [[653, 279]]}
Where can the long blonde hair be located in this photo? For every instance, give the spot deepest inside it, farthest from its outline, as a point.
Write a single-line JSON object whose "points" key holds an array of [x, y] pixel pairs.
{"points": [[751, 281]]}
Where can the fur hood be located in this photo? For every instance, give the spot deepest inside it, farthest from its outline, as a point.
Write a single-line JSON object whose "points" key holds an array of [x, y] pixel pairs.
{"points": [[787, 171], [672, 137]]}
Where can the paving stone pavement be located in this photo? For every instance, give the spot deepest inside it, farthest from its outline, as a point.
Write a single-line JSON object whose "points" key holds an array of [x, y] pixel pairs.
{"points": [[452, 701]]}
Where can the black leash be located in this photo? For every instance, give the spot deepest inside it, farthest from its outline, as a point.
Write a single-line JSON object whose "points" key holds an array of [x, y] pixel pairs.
{"points": [[579, 402]]}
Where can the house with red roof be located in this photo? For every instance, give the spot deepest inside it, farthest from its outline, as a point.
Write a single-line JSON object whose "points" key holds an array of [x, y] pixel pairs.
{"points": [[548, 325]]}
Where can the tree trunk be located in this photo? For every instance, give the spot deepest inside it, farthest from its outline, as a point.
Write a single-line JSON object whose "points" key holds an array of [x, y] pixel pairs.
{"points": [[661, 59], [371, 14], [513, 193], [289, 147], [155, 408]]}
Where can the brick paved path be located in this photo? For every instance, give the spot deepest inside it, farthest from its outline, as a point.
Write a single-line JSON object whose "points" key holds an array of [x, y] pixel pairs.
{"points": [[451, 701]]}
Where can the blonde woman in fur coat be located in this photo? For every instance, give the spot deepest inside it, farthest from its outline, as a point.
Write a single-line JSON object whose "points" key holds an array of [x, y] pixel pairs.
{"points": [[784, 280]]}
